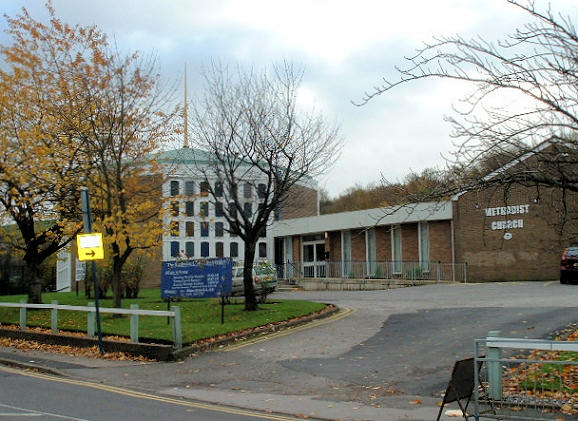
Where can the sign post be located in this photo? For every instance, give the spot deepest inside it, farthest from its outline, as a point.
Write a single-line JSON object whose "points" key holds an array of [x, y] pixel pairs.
{"points": [[90, 248]]}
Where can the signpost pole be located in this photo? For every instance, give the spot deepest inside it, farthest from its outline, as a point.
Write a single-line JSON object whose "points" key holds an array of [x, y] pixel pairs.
{"points": [[85, 199]]}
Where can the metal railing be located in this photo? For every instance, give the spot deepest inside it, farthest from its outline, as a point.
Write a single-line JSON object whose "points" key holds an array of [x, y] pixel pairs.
{"points": [[134, 312], [525, 379], [416, 272]]}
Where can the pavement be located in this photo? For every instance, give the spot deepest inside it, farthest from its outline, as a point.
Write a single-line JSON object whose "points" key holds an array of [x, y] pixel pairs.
{"points": [[318, 371]]}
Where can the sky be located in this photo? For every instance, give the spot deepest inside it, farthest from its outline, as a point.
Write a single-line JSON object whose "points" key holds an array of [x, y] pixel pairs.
{"points": [[345, 47]]}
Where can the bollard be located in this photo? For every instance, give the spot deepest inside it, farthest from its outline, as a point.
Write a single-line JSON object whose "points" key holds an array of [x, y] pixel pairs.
{"points": [[177, 331], [91, 320], [54, 317], [23, 315], [494, 367], [134, 324]]}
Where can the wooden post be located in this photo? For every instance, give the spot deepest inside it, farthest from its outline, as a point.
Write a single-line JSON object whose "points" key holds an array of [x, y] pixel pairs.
{"points": [[134, 324], [54, 317]]}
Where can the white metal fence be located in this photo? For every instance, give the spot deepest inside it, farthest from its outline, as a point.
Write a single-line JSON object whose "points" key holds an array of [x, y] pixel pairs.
{"points": [[418, 272], [526, 379], [134, 312]]}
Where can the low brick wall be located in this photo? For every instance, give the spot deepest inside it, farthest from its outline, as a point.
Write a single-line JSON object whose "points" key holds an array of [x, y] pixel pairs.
{"points": [[152, 351], [339, 284]]}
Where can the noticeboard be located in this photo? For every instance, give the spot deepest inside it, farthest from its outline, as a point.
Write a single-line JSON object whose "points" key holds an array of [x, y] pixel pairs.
{"points": [[197, 278]]}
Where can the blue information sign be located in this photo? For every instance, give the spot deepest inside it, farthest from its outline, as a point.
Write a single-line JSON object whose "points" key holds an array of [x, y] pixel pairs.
{"points": [[197, 279]]}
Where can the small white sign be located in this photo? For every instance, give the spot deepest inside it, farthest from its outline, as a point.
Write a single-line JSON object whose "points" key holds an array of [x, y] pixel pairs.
{"points": [[89, 241]]}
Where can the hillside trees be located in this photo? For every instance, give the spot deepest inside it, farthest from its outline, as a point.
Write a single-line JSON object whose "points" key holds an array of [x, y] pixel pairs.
{"points": [[259, 144]]}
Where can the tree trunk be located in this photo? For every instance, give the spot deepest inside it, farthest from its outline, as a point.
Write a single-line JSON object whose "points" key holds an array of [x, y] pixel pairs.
{"points": [[250, 299], [116, 282], [34, 282]]}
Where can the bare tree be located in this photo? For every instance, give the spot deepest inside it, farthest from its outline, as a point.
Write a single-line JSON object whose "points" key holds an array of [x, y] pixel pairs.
{"points": [[536, 65], [257, 144]]}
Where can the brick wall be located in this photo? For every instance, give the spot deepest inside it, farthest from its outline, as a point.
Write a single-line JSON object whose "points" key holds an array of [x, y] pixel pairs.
{"points": [[383, 243], [358, 245], [440, 241], [333, 246], [300, 202], [527, 248], [409, 242]]}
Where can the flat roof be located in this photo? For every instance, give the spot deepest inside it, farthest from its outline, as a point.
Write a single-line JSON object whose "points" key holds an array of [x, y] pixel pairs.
{"points": [[413, 212]]}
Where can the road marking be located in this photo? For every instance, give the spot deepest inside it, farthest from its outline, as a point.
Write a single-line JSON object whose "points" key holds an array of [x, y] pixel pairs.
{"points": [[35, 413], [547, 284], [142, 395], [345, 311]]}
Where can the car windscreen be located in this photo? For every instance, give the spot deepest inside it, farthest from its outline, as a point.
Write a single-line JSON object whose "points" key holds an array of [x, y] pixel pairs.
{"points": [[572, 252]]}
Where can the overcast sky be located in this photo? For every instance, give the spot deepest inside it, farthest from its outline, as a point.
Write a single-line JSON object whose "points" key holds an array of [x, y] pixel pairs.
{"points": [[346, 47]]}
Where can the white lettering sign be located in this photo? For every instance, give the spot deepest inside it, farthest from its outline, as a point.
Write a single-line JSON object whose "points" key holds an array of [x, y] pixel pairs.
{"points": [[507, 224], [507, 210]]}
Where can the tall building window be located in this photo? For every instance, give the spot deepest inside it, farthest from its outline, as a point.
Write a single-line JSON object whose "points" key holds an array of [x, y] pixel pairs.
{"points": [[190, 249], [248, 209], [219, 249], [346, 253], [204, 211], [174, 188], [247, 190], [219, 189], [219, 229], [371, 251], [263, 232], [231, 232], [396, 248], [190, 208], [204, 249], [189, 188], [261, 190], [175, 229], [175, 248], [190, 229], [219, 209], [205, 187], [424, 246], [175, 208], [232, 190], [233, 249], [204, 229], [262, 250], [232, 210]]}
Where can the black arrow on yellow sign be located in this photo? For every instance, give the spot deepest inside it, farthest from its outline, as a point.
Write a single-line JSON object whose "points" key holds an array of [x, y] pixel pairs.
{"points": [[90, 253]]}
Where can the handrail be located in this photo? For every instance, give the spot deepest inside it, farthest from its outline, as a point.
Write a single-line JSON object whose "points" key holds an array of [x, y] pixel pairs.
{"points": [[134, 311]]}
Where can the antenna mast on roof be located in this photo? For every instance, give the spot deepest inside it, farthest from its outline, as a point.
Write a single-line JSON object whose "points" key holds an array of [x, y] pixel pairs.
{"points": [[185, 113]]}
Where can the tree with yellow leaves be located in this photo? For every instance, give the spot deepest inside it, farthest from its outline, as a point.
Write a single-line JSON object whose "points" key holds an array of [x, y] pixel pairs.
{"points": [[74, 112]]}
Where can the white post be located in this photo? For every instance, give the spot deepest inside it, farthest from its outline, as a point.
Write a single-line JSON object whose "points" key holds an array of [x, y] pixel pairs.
{"points": [[177, 330], [23, 315], [91, 317], [54, 317], [134, 324]]}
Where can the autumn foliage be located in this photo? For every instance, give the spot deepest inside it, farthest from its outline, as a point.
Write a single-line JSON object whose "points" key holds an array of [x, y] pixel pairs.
{"points": [[74, 112]]}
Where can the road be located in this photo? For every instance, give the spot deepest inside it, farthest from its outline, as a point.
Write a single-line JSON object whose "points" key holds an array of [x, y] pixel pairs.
{"points": [[387, 357], [29, 395]]}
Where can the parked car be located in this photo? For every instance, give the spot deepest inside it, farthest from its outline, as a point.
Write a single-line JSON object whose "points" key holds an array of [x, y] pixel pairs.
{"points": [[264, 279], [569, 265]]}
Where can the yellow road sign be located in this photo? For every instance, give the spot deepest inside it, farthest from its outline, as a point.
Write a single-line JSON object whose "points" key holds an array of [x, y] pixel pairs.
{"points": [[90, 246]]}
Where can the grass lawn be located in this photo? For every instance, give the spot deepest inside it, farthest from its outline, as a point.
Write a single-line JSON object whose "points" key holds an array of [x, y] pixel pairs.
{"points": [[201, 318]]}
